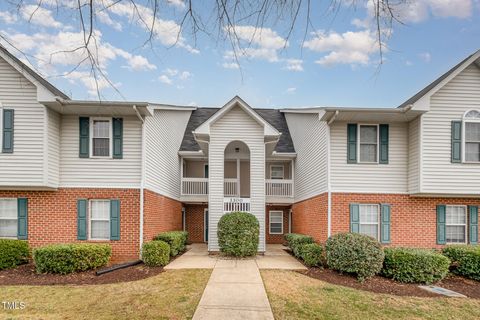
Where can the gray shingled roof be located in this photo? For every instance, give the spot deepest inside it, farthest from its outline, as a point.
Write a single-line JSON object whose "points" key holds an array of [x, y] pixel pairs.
{"points": [[272, 116]]}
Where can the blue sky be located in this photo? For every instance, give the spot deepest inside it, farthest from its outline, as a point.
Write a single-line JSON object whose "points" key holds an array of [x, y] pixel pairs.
{"points": [[337, 65]]}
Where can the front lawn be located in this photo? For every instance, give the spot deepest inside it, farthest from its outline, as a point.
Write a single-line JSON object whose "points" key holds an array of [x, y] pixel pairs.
{"points": [[170, 295], [296, 296]]}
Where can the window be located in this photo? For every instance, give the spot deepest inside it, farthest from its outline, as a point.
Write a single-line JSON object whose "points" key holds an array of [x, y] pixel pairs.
{"points": [[101, 137], [8, 218], [369, 220], [276, 222], [99, 219], [472, 136], [276, 172], [456, 224], [368, 143], [205, 170]]}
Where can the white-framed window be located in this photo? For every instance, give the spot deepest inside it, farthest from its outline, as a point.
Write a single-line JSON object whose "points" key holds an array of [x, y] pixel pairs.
{"points": [[275, 222], [276, 171], [101, 137], [471, 136], [456, 224], [368, 143], [370, 220], [8, 218], [99, 220]]}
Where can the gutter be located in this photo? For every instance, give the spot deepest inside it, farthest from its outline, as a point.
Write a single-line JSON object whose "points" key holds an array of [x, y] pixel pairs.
{"points": [[142, 179], [329, 186]]}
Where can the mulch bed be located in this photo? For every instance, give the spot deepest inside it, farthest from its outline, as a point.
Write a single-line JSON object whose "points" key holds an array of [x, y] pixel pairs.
{"points": [[26, 275], [379, 284]]}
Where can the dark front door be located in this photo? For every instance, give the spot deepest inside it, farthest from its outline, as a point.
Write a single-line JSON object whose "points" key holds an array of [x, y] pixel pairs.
{"points": [[206, 225]]}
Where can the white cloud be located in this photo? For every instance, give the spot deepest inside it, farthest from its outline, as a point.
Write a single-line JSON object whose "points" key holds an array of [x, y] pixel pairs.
{"points": [[39, 16], [170, 75], [408, 63], [105, 18], [88, 80], [8, 17], [185, 75], [139, 63], [165, 79], [177, 3], [347, 48], [294, 64], [425, 56], [230, 65], [291, 90], [171, 72]]}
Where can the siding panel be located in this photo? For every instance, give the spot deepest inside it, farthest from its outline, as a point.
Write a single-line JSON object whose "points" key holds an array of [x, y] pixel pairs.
{"points": [[414, 155], [53, 148]]}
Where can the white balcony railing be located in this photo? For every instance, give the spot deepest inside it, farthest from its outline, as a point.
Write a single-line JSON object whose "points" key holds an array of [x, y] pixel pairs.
{"points": [[194, 186], [236, 204], [279, 188], [230, 187]]}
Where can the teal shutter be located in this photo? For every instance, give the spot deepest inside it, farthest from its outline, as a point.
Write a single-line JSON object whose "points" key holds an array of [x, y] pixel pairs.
{"points": [[473, 224], [114, 219], [117, 129], [456, 141], [441, 224], [82, 219], [22, 215], [352, 143], [7, 134], [354, 218], [384, 143], [385, 223], [84, 128]]}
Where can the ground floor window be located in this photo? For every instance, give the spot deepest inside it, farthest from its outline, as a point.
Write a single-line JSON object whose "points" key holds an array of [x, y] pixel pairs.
{"points": [[456, 224], [8, 218], [99, 220], [276, 222], [369, 220]]}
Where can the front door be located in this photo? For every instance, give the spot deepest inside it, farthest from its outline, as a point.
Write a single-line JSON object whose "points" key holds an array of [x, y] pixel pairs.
{"points": [[205, 223]]}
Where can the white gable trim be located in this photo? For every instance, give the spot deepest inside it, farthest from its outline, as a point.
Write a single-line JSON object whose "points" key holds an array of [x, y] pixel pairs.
{"points": [[204, 128]]}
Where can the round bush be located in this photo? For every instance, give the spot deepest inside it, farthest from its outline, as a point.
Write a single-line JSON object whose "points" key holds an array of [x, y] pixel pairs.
{"points": [[312, 254], [466, 260], [177, 240], [296, 240], [12, 253], [414, 265], [68, 258], [238, 234], [354, 253], [156, 253]]}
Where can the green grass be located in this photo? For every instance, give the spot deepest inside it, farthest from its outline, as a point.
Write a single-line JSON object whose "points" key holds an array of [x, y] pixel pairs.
{"points": [[295, 296], [170, 295]]}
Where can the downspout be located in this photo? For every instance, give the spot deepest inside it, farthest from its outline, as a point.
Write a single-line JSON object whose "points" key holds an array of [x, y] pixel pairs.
{"points": [[142, 178], [329, 186]]}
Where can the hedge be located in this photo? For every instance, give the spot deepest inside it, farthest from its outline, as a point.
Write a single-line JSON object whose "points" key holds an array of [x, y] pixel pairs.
{"points": [[238, 234], [177, 240], [312, 254], [68, 258], [354, 253], [156, 253], [13, 253], [296, 240], [465, 259], [411, 265]]}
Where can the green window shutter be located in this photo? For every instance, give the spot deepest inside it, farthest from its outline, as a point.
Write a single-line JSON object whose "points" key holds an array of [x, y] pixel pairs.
{"points": [[384, 143], [22, 215], [385, 223], [473, 224], [7, 134], [82, 219], [352, 143], [117, 129], [456, 141], [354, 218], [441, 224], [115, 220], [84, 130]]}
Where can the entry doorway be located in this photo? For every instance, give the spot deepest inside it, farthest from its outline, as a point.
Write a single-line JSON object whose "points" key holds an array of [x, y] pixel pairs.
{"points": [[205, 225]]}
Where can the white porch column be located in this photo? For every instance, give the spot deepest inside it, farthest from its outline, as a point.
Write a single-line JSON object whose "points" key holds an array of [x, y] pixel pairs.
{"points": [[238, 178]]}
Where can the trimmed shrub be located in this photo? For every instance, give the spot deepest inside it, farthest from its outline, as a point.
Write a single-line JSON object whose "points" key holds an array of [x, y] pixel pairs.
{"points": [[156, 253], [238, 234], [12, 253], [312, 254], [466, 260], [354, 253], [177, 240], [296, 240], [68, 258], [414, 265]]}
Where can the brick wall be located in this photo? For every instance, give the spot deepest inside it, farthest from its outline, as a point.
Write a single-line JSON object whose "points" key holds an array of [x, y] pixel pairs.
{"points": [[276, 238], [195, 222], [160, 214], [310, 217], [52, 217]]}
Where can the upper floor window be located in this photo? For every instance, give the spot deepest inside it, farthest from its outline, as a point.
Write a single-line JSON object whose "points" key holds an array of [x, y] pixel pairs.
{"points": [[276, 172], [101, 137], [368, 143], [471, 126], [8, 218]]}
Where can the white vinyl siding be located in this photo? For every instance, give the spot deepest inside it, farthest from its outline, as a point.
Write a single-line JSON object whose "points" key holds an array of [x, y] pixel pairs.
{"points": [[456, 224], [309, 137], [99, 220], [370, 220], [275, 222], [53, 148], [100, 172], [414, 150], [164, 134], [365, 177], [451, 102], [8, 218]]}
